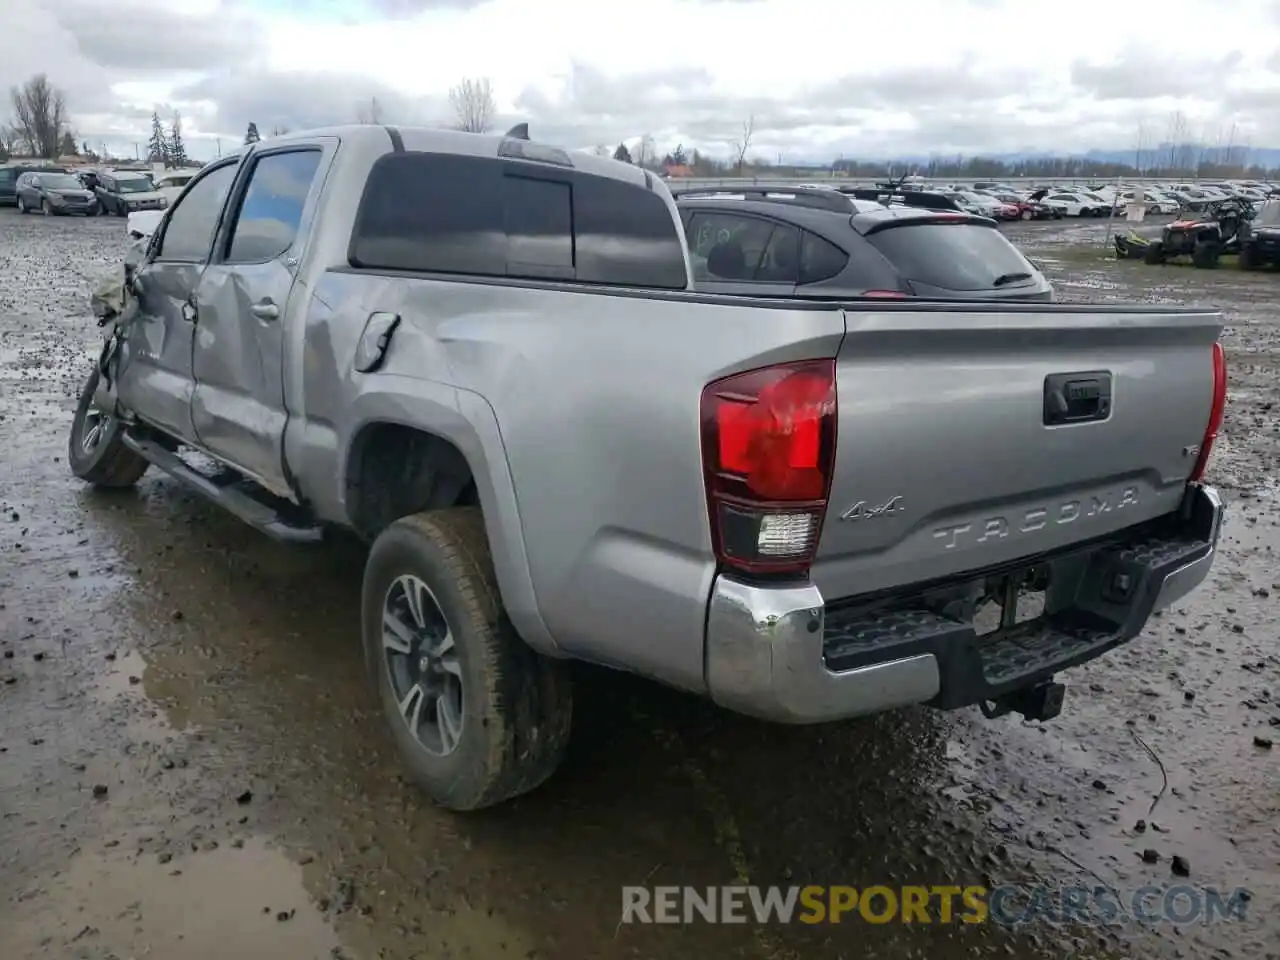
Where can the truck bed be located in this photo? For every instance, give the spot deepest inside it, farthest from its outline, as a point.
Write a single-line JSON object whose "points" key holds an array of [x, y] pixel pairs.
{"points": [[595, 394]]}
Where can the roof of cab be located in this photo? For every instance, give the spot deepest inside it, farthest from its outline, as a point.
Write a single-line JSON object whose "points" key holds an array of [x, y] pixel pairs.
{"points": [[458, 142]]}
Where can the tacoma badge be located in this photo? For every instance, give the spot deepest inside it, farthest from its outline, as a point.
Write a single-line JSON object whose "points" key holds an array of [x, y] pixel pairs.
{"points": [[860, 510]]}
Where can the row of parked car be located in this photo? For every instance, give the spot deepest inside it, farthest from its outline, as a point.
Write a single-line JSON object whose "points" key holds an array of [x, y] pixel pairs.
{"points": [[1004, 202], [57, 191]]}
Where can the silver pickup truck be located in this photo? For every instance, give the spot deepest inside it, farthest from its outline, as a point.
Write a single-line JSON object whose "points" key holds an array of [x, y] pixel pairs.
{"points": [[484, 356]]}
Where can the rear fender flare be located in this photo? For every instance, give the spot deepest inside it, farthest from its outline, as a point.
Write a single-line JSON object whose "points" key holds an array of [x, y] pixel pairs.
{"points": [[466, 420]]}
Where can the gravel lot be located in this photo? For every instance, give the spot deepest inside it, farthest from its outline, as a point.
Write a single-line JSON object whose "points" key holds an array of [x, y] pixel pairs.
{"points": [[193, 768]]}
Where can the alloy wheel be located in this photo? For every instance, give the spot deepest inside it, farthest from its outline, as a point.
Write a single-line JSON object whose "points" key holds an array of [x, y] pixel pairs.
{"points": [[421, 660], [94, 429]]}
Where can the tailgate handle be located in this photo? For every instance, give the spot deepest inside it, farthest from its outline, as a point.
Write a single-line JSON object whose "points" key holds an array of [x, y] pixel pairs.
{"points": [[1076, 397]]}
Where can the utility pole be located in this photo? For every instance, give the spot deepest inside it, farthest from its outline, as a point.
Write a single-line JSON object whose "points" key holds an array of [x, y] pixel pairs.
{"points": [[136, 155], [218, 141]]}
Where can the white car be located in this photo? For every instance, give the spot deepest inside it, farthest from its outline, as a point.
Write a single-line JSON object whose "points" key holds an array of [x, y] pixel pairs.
{"points": [[978, 203], [172, 184], [1155, 201], [1078, 204], [142, 223]]}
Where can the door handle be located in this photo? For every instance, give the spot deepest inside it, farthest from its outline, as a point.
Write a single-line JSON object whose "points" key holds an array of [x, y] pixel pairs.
{"points": [[265, 310], [188, 311]]}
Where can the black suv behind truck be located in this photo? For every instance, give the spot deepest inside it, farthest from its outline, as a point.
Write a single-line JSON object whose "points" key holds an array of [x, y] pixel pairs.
{"points": [[811, 242]]}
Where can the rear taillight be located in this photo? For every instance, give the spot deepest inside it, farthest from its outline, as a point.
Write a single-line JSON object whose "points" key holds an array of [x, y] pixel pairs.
{"points": [[1216, 412], [768, 448]]}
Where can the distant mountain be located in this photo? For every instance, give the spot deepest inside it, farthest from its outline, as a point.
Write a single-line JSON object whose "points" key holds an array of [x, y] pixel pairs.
{"points": [[1182, 155]]}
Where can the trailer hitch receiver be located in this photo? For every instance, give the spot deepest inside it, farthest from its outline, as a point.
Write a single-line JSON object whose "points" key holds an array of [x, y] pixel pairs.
{"points": [[1041, 701]]}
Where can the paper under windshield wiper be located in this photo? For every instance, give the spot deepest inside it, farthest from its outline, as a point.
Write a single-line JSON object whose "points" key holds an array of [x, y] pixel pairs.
{"points": [[1004, 278]]}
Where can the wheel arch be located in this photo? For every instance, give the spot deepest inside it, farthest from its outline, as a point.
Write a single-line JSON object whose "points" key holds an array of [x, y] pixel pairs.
{"points": [[441, 457]]}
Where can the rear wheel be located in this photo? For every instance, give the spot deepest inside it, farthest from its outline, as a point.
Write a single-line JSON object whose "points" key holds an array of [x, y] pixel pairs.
{"points": [[96, 449], [1025, 215], [1205, 254], [22, 207], [477, 715], [1154, 254]]}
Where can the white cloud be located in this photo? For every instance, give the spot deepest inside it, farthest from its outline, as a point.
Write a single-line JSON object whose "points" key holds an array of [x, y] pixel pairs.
{"points": [[821, 77]]}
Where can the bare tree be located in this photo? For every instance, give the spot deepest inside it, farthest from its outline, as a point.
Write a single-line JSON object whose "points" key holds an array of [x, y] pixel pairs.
{"points": [[1177, 136], [370, 112], [740, 147], [473, 105], [40, 116], [645, 153], [10, 138]]}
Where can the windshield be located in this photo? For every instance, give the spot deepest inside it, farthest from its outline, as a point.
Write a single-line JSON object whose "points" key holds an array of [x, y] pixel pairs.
{"points": [[953, 256], [1269, 215], [59, 181], [135, 185]]}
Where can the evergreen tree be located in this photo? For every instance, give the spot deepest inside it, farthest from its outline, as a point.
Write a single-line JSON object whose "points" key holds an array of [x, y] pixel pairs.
{"points": [[68, 147], [177, 149], [251, 135], [158, 145], [622, 153]]}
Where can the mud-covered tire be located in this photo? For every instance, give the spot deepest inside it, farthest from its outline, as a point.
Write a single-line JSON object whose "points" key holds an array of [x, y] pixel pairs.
{"points": [[1205, 255], [1248, 260], [1154, 254], [106, 461], [517, 705]]}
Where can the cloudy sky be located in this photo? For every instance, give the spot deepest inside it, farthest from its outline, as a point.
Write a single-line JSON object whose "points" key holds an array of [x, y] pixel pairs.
{"points": [[822, 78]]}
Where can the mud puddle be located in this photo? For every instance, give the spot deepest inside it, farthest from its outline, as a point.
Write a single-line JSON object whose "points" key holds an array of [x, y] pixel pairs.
{"points": [[247, 901]]}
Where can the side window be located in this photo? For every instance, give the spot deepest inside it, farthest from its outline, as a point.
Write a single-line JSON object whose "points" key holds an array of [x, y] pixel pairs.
{"points": [[445, 213], [271, 212], [727, 246], [188, 231], [781, 260], [819, 259], [626, 235]]}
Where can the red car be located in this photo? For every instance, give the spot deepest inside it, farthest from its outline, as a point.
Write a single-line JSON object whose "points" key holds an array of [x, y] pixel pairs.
{"points": [[1028, 209]]}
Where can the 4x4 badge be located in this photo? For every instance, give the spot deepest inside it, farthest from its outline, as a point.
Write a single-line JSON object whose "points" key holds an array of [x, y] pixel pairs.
{"points": [[860, 510]]}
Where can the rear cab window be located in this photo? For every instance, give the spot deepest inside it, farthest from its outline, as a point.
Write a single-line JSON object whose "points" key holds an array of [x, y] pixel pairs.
{"points": [[953, 256], [498, 217]]}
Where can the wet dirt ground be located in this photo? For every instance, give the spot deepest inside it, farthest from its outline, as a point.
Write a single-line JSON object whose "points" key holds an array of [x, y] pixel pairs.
{"points": [[192, 766]]}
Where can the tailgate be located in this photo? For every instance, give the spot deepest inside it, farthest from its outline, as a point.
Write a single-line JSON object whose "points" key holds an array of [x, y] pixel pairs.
{"points": [[949, 457]]}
